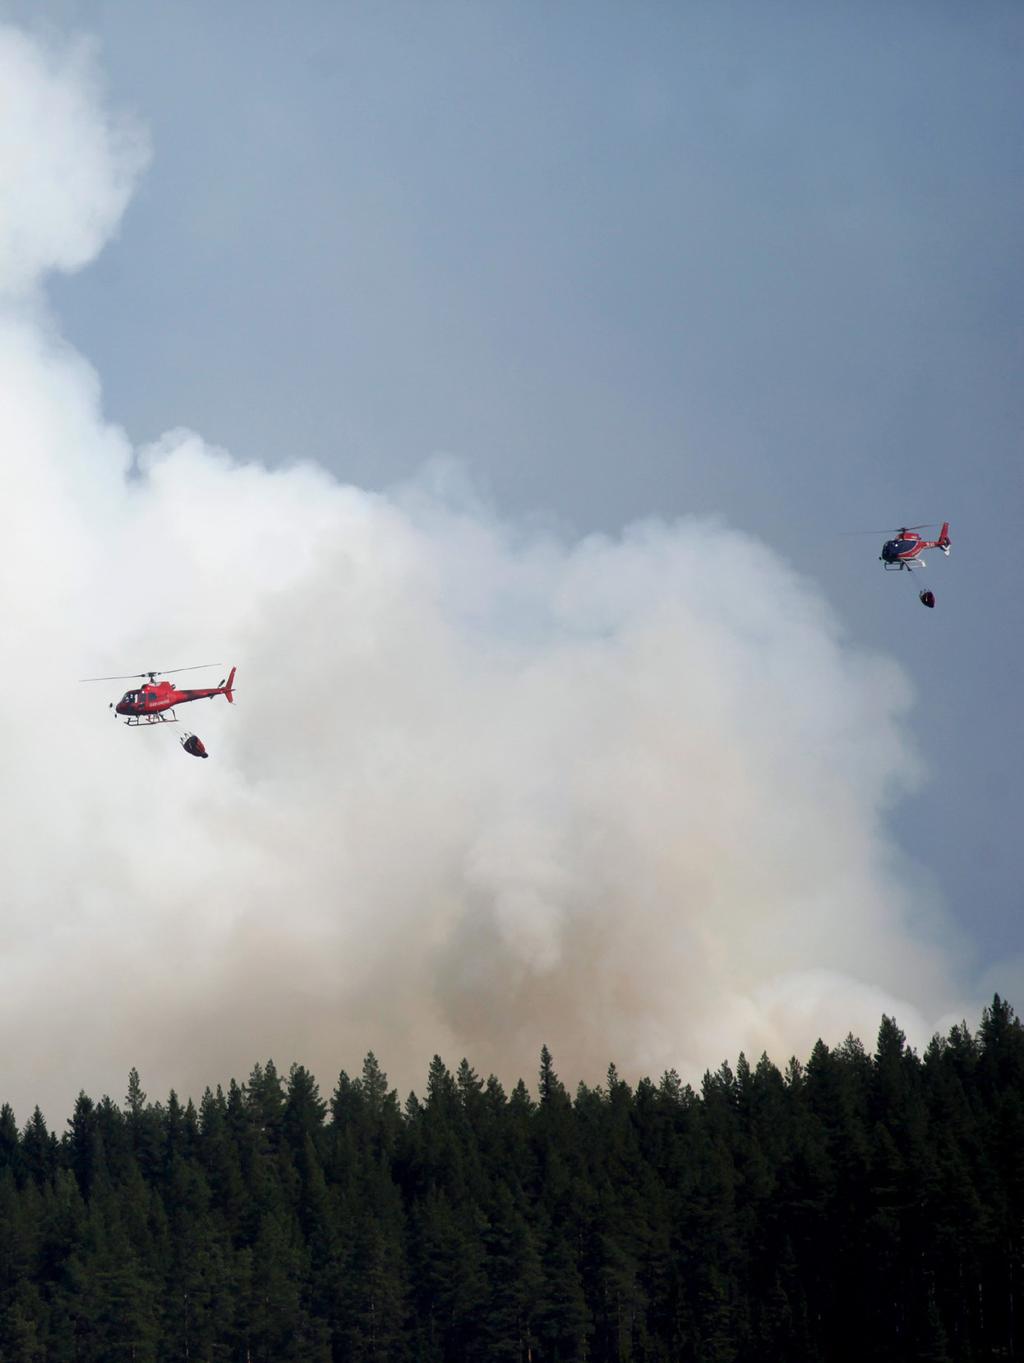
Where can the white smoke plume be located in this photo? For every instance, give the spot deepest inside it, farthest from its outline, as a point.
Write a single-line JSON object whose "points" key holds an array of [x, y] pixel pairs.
{"points": [[482, 787]]}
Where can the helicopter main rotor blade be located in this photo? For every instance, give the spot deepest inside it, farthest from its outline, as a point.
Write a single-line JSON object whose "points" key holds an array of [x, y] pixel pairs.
{"points": [[891, 530], [166, 672], [136, 676], [123, 676]]}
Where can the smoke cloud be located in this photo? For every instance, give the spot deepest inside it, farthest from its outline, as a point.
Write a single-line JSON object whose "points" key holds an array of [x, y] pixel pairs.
{"points": [[483, 787]]}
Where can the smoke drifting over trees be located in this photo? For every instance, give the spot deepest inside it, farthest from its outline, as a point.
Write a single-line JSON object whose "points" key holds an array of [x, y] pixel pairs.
{"points": [[483, 784]]}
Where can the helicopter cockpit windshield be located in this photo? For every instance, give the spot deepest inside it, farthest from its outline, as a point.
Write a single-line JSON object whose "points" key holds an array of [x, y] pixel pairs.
{"points": [[893, 550]]}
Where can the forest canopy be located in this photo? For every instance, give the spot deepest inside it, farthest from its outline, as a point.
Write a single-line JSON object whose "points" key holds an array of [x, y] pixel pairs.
{"points": [[851, 1206]]}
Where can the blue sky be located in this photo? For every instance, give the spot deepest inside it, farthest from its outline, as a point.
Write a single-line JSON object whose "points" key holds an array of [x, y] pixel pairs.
{"points": [[745, 261]]}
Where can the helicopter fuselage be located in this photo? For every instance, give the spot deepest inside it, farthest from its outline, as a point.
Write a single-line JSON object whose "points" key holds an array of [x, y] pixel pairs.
{"points": [[151, 700], [154, 702], [902, 551], [905, 549]]}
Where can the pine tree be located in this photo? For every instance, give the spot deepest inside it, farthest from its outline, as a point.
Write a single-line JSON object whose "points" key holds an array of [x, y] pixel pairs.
{"points": [[84, 1149], [304, 1109], [514, 1281], [562, 1318]]}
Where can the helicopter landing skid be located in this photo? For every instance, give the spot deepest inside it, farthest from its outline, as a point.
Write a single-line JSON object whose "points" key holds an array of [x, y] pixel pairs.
{"points": [[144, 721]]}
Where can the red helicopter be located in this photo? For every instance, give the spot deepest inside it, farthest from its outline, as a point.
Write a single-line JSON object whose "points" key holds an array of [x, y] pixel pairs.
{"points": [[154, 702], [904, 551]]}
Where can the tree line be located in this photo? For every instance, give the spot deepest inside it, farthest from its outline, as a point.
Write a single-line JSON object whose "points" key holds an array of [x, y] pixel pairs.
{"points": [[857, 1206]]}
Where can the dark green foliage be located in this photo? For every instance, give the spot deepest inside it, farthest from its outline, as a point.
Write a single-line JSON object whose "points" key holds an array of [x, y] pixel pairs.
{"points": [[856, 1207]]}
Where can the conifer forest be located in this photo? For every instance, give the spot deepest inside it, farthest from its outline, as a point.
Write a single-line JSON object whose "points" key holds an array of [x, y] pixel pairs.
{"points": [[853, 1206]]}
